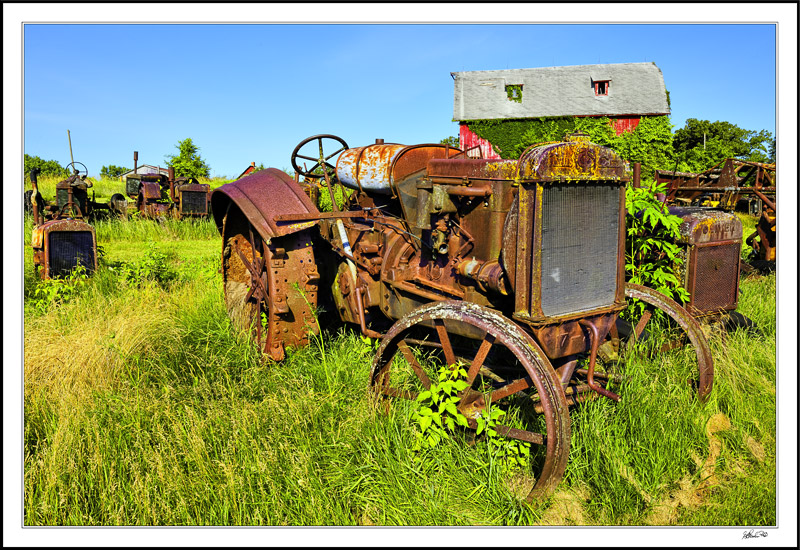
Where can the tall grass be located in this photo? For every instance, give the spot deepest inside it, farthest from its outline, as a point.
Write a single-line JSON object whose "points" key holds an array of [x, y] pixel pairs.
{"points": [[144, 407]]}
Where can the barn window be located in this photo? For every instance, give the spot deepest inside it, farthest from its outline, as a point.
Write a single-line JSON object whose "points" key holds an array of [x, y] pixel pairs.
{"points": [[514, 92], [601, 87]]}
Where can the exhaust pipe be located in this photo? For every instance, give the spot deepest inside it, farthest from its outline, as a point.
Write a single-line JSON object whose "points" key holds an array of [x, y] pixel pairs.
{"points": [[35, 195]]}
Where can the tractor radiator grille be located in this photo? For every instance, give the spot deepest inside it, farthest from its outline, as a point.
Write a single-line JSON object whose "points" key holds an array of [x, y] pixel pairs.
{"points": [[132, 187], [580, 247], [194, 202], [716, 278], [67, 250]]}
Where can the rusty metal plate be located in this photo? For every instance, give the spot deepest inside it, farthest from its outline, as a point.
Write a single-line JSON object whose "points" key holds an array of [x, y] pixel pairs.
{"points": [[576, 159], [262, 197]]}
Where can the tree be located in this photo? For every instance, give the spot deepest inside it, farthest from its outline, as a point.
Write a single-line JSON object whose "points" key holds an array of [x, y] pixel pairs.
{"points": [[452, 141], [46, 167], [187, 162], [112, 171], [701, 144]]}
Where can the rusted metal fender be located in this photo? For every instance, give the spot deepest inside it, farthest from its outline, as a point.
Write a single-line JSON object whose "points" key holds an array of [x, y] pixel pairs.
{"points": [[689, 324], [261, 197]]}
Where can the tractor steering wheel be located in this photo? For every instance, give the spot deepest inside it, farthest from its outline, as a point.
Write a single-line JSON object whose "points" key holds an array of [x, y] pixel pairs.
{"points": [[320, 160], [74, 168]]}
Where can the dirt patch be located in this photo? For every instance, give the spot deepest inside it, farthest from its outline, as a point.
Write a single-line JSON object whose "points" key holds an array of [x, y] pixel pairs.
{"points": [[566, 508], [690, 493], [755, 448]]}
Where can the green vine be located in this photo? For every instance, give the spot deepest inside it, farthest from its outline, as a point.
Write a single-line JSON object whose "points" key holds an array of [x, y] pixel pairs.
{"points": [[649, 144]]}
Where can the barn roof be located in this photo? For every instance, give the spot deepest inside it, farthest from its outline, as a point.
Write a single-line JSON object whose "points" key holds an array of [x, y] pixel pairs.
{"points": [[633, 89], [146, 169]]}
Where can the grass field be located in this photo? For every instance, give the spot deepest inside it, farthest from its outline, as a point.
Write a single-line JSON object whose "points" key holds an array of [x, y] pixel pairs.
{"points": [[143, 407]]}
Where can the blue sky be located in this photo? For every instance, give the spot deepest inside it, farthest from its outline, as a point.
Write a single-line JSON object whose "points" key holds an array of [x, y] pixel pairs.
{"points": [[252, 92]]}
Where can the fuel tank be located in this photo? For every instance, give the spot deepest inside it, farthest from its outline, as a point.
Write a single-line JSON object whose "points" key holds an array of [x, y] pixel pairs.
{"points": [[377, 168]]}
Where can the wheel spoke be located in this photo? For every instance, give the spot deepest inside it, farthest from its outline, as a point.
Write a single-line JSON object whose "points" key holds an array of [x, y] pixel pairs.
{"points": [[477, 363], [640, 326], [307, 158], [336, 153], [409, 355], [449, 356], [523, 435], [510, 389]]}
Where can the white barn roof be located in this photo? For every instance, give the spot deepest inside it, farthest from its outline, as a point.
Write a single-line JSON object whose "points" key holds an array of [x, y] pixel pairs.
{"points": [[633, 89]]}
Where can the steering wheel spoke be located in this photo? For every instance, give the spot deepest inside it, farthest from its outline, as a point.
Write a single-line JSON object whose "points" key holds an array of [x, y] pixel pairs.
{"points": [[321, 160]]}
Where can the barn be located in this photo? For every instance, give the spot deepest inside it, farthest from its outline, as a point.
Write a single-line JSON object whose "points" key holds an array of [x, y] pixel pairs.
{"points": [[146, 169], [623, 92]]}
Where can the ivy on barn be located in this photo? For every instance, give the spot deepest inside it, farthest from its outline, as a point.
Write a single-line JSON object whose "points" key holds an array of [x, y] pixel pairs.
{"points": [[649, 144]]}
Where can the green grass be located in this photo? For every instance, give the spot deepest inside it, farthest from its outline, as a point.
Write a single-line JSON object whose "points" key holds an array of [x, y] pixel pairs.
{"points": [[143, 407]]}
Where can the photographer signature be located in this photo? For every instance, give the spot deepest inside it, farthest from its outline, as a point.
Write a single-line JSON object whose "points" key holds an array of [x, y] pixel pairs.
{"points": [[753, 534]]}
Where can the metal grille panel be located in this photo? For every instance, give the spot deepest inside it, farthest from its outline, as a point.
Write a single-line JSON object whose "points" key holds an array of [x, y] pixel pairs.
{"points": [[580, 242], [193, 202], [715, 277], [132, 187], [68, 249]]}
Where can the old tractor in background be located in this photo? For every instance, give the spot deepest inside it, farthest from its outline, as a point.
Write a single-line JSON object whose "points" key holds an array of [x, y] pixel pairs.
{"points": [[72, 195], [512, 268], [159, 195], [61, 239], [732, 185]]}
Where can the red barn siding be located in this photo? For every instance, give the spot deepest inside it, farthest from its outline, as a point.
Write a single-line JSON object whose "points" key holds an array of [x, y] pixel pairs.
{"points": [[622, 125], [468, 139]]}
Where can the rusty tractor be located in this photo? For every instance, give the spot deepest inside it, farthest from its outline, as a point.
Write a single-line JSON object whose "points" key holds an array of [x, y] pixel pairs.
{"points": [[159, 195], [711, 244], [729, 185], [61, 239], [72, 196], [513, 268]]}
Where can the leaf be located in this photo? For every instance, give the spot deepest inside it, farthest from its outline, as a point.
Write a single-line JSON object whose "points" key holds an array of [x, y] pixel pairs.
{"points": [[451, 408], [425, 422], [424, 395]]}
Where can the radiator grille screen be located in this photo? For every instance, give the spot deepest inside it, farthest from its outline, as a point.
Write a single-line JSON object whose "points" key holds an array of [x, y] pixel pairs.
{"points": [[580, 241], [68, 249], [715, 277], [132, 187], [193, 202]]}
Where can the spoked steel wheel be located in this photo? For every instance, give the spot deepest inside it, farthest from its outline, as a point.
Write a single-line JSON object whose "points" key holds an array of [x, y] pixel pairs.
{"points": [[505, 368], [677, 333], [270, 286]]}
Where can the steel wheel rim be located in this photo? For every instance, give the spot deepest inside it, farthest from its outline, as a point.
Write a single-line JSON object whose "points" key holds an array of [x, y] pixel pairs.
{"points": [[536, 375]]}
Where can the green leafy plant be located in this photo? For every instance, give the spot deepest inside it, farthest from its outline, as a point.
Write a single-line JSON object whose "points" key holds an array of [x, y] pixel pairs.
{"points": [[438, 416], [652, 257], [153, 267], [437, 411], [514, 92], [512, 452], [50, 293]]}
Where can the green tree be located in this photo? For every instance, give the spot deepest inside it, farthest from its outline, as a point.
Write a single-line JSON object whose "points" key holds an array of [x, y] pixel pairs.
{"points": [[46, 167], [187, 162], [112, 171], [701, 144], [452, 141]]}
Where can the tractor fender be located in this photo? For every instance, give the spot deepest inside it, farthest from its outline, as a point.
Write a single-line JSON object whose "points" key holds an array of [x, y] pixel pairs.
{"points": [[261, 197]]}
